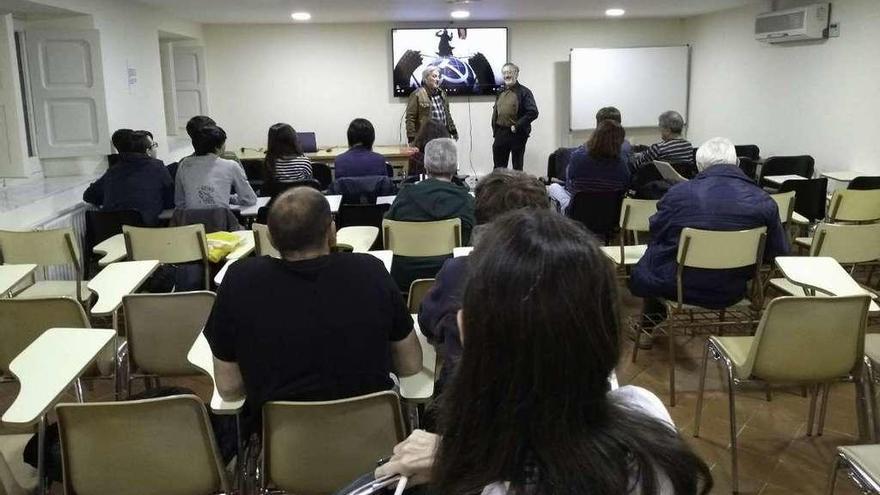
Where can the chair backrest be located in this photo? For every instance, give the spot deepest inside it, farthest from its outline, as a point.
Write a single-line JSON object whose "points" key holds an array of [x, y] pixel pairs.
{"points": [[312, 448], [598, 211], [322, 173], [418, 239], [847, 244], [279, 187], [809, 339], [785, 204], [417, 291], [354, 215], [809, 199], [636, 213], [162, 445], [43, 247], [720, 250], [788, 165], [557, 163], [26, 319], [853, 205], [750, 151], [168, 245], [162, 328], [749, 167], [308, 143], [671, 173], [865, 182], [102, 225], [263, 242]]}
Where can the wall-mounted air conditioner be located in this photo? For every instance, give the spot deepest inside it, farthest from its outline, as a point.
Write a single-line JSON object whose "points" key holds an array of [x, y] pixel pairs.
{"points": [[802, 23]]}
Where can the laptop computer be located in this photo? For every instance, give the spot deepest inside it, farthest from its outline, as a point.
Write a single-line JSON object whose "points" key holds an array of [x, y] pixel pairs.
{"points": [[307, 142]]}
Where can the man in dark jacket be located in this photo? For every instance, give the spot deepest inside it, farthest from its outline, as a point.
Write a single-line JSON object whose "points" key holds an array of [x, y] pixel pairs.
{"points": [[136, 182], [720, 197], [512, 117], [435, 198]]}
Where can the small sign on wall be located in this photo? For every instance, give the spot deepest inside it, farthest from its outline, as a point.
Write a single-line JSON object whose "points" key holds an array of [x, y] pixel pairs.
{"points": [[132, 77]]}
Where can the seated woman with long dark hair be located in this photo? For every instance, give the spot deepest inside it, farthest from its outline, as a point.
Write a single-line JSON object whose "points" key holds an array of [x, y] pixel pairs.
{"points": [[530, 409], [285, 161]]}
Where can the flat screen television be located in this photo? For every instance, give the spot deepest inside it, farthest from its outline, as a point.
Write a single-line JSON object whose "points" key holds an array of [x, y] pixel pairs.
{"points": [[469, 59]]}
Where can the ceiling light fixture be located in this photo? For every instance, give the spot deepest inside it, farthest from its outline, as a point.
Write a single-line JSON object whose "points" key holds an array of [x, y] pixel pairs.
{"points": [[460, 14], [615, 12], [300, 16]]}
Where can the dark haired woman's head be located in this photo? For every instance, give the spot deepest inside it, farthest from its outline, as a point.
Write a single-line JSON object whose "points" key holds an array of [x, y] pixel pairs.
{"points": [[606, 140], [430, 131], [505, 190], [608, 113], [282, 141], [361, 132], [209, 139]]}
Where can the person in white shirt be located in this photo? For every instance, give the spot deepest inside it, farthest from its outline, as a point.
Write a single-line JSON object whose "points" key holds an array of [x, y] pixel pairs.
{"points": [[530, 409], [205, 180]]}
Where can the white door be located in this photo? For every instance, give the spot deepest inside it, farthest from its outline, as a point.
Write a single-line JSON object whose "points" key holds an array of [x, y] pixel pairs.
{"points": [[12, 137], [189, 83], [67, 89]]}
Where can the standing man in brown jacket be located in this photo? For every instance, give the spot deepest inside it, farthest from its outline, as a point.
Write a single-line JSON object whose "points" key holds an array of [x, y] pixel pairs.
{"points": [[428, 103]]}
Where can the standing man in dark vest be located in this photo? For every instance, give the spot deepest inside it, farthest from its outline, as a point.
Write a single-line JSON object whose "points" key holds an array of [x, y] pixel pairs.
{"points": [[512, 117]]}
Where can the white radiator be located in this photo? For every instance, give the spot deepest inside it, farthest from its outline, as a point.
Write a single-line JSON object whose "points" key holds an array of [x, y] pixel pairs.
{"points": [[76, 220]]}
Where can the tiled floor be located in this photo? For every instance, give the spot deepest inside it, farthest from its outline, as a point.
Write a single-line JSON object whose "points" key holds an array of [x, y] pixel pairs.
{"points": [[776, 456]]}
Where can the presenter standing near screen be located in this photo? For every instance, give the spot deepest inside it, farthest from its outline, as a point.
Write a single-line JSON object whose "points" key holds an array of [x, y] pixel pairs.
{"points": [[512, 117], [429, 102]]}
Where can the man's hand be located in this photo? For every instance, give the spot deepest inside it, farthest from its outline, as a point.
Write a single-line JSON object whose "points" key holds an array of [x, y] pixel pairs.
{"points": [[413, 458]]}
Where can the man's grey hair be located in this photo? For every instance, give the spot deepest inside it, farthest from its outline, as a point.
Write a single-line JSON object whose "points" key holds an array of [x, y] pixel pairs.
{"points": [[673, 121], [512, 66], [716, 151], [429, 69], [441, 157]]}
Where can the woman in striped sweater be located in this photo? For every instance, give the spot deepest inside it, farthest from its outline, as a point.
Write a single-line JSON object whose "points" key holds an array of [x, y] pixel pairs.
{"points": [[285, 161]]}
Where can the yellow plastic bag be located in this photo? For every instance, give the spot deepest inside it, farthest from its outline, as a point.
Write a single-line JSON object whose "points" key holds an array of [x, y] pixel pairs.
{"points": [[221, 244]]}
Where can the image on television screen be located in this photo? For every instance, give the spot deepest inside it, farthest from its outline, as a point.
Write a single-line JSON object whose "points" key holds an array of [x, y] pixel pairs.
{"points": [[469, 59]]}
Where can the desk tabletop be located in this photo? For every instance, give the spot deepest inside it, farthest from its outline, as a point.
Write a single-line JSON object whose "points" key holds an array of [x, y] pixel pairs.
{"points": [[251, 211], [201, 357], [823, 274], [112, 248], [11, 275], [246, 246], [420, 387], [779, 179], [117, 280], [842, 175], [47, 367], [335, 200], [360, 238], [387, 256], [461, 251]]}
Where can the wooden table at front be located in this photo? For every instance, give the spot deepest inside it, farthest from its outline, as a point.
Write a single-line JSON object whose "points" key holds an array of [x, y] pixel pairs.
{"points": [[45, 369]]}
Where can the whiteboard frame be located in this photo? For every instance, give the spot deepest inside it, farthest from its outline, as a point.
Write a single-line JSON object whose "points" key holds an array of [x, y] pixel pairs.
{"points": [[591, 120]]}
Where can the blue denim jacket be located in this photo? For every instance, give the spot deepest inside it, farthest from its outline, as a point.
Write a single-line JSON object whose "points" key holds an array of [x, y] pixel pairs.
{"points": [[719, 198]]}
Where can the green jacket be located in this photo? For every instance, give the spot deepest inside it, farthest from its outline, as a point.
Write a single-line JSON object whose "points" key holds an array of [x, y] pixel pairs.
{"points": [[433, 199], [418, 113]]}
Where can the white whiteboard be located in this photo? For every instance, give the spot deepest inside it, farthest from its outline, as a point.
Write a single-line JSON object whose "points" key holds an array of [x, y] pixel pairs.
{"points": [[641, 82]]}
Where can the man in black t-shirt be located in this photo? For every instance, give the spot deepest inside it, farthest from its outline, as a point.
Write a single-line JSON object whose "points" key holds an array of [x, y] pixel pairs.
{"points": [[311, 326]]}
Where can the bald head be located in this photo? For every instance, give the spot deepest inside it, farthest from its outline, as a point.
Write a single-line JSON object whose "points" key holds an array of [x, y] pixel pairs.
{"points": [[299, 221]]}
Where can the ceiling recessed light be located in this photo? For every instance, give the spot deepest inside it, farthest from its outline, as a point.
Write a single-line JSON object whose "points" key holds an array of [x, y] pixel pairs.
{"points": [[615, 12], [460, 14], [300, 16]]}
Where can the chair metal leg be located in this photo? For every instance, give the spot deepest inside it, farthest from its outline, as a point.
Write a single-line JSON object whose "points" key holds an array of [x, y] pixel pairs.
{"points": [[42, 485], [731, 393], [826, 394], [78, 390], [814, 393], [638, 341], [240, 460], [862, 408], [768, 392], [670, 337], [832, 478], [874, 407], [702, 388]]}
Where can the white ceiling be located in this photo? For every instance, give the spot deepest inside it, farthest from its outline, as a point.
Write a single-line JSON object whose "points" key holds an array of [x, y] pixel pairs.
{"points": [[338, 11]]}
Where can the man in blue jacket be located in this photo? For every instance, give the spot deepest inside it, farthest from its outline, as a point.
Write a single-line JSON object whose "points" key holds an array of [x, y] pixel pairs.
{"points": [[720, 197]]}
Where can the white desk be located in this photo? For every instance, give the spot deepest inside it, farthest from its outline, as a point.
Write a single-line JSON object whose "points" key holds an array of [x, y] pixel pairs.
{"points": [[112, 248], [823, 274], [245, 247], [335, 200], [779, 179], [201, 357], [461, 251], [386, 256], [420, 387], [251, 211], [118, 280], [385, 200], [358, 238], [843, 175], [11, 275]]}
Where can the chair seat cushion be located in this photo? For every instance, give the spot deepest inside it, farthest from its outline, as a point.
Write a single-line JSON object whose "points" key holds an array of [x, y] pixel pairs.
{"points": [[866, 457], [55, 288], [23, 476], [632, 254], [872, 347], [734, 348]]}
